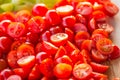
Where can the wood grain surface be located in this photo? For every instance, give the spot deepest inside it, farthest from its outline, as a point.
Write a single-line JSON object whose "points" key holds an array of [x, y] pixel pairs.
{"points": [[114, 70]]}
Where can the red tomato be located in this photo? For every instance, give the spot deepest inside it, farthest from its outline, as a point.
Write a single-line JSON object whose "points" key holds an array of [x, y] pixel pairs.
{"points": [[7, 16], [52, 17], [110, 9], [116, 53], [16, 29], [46, 67], [49, 48], [101, 31], [99, 76], [23, 73], [27, 61], [61, 51], [84, 8], [41, 56], [12, 59], [87, 44], [16, 44], [98, 6], [39, 9], [35, 73], [104, 46], [77, 27], [14, 77], [25, 50], [4, 74], [59, 39], [64, 59], [36, 24], [97, 56], [38, 47], [82, 71], [45, 36], [68, 21], [5, 43], [81, 19], [23, 16], [3, 64], [99, 67], [65, 10], [56, 29], [70, 34], [99, 16], [80, 37], [62, 70], [92, 25]]}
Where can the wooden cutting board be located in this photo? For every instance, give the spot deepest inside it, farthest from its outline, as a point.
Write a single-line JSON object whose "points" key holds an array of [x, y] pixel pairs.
{"points": [[114, 70]]}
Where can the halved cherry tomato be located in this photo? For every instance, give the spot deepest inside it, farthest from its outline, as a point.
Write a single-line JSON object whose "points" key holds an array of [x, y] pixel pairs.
{"points": [[104, 46], [96, 37], [80, 37], [84, 8], [98, 6], [92, 25], [81, 19], [64, 59], [46, 67], [23, 16], [26, 61], [60, 52], [87, 44], [14, 77], [68, 21], [59, 39], [70, 34], [3, 64], [25, 50], [36, 24], [45, 36], [16, 29], [49, 48], [97, 56], [116, 53], [16, 44], [62, 70], [39, 9], [82, 71], [79, 27], [56, 29], [110, 9], [65, 10], [52, 17], [12, 59], [99, 67]]}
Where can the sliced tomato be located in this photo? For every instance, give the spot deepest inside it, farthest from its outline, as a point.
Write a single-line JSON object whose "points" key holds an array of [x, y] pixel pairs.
{"points": [[12, 59], [62, 70], [99, 67], [27, 61], [87, 44], [46, 67], [110, 9], [96, 37], [70, 34], [92, 25], [81, 19], [56, 29], [116, 53], [80, 37], [16, 29], [25, 50], [65, 10], [14, 77], [45, 36], [82, 71], [49, 48], [104, 46], [16, 44], [59, 39], [97, 56], [84, 8], [61, 51], [23, 16]]}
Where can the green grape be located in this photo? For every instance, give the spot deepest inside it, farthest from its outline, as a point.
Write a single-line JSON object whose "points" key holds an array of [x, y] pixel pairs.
{"points": [[49, 3], [7, 7]]}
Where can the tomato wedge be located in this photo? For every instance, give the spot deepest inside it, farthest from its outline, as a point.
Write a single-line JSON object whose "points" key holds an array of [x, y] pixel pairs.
{"points": [[82, 71]]}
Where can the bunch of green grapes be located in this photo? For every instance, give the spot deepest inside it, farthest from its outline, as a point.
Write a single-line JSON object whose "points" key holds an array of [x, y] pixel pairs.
{"points": [[15, 5]]}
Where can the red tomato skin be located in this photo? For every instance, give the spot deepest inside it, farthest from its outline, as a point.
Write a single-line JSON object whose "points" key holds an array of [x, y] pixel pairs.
{"points": [[70, 34], [99, 67], [46, 67], [39, 9], [62, 70], [52, 17]]}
